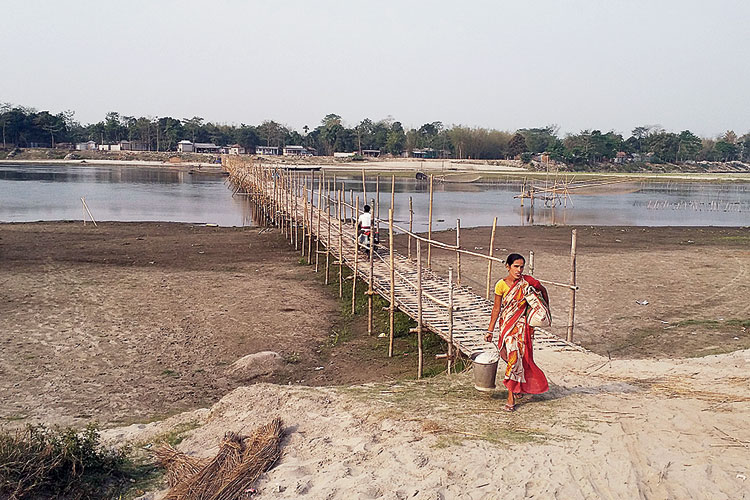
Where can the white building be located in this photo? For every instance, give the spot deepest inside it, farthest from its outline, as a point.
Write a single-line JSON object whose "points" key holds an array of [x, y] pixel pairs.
{"points": [[86, 146], [296, 151], [266, 150], [185, 147]]}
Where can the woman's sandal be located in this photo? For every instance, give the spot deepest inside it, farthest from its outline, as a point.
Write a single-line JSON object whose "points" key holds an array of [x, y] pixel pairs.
{"points": [[510, 407]]}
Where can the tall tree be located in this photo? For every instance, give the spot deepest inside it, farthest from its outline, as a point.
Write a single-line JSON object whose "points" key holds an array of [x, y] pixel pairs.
{"points": [[517, 145]]}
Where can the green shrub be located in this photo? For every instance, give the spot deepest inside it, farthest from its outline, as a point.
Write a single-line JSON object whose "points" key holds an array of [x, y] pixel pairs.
{"points": [[42, 462]]}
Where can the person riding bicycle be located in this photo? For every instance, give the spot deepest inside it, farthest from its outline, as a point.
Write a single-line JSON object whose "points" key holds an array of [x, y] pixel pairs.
{"points": [[364, 226]]}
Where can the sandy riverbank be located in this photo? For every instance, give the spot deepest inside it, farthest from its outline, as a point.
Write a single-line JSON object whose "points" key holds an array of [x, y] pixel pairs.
{"points": [[129, 322]]}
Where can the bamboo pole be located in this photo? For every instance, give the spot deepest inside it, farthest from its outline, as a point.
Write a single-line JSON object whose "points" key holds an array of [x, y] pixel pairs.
{"points": [[356, 258], [296, 218], [419, 309], [393, 192], [304, 220], [341, 243], [392, 298], [458, 253], [328, 241], [429, 229], [571, 318], [351, 206], [450, 319], [86, 207], [310, 219], [364, 187], [370, 291], [531, 262], [321, 181], [411, 225], [489, 261], [377, 197]]}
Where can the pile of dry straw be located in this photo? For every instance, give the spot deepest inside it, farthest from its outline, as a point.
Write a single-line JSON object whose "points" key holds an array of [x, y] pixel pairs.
{"points": [[230, 474]]}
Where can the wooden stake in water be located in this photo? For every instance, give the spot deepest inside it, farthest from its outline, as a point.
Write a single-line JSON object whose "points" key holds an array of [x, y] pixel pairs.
{"points": [[411, 225], [531, 262], [377, 197], [489, 261], [364, 187], [571, 317], [86, 208]]}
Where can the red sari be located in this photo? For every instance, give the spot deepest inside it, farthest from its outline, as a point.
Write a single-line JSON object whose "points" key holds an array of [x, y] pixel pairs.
{"points": [[515, 342]]}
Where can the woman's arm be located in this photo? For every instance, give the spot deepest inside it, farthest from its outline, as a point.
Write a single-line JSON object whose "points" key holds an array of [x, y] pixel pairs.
{"points": [[493, 317]]}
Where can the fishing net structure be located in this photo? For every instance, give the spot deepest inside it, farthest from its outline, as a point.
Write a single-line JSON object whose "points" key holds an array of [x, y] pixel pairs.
{"points": [[231, 473]]}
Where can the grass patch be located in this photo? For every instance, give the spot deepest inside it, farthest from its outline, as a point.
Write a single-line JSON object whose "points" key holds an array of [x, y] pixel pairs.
{"points": [[454, 411], [42, 462], [170, 373], [402, 323], [292, 358], [714, 324]]}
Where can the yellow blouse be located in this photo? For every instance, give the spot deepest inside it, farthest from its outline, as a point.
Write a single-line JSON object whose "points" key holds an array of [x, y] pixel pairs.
{"points": [[501, 288]]}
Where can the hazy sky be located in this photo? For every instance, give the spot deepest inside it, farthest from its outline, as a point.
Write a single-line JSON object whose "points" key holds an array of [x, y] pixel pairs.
{"points": [[604, 64]]}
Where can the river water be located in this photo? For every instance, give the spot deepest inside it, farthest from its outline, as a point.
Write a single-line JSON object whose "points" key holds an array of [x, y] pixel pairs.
{"points": [[43, 192]]}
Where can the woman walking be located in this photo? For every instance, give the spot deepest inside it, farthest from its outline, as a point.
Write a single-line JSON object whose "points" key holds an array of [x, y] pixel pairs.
{"points": [[522, 376]]}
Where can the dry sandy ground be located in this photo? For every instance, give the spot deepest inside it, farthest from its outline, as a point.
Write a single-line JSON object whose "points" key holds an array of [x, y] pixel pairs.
{"points": [[670, 429], [131, 321]]}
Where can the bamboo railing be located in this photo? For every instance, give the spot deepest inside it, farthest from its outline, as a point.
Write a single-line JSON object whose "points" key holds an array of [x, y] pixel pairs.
{"points": [[302, 209]]}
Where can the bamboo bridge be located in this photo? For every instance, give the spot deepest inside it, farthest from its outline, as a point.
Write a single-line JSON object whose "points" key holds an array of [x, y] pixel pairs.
{"points": [[322, 225]]}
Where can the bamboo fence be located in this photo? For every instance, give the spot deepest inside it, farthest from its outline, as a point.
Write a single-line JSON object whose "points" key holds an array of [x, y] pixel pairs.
{"points": [[436, 303]]}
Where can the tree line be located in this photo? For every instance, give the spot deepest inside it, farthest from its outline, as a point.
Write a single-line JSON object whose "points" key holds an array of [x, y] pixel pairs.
{"points": [[27, 127]]}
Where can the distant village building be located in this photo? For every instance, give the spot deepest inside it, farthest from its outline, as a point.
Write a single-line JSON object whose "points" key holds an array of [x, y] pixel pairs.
{"points": [[424, 153], [236, 149], [133, 146], [296, 151], [621, 157], [266, 150], [86, 146], [371, 153], [343, 155], [124, 146], [205, 147], [185, 146]]}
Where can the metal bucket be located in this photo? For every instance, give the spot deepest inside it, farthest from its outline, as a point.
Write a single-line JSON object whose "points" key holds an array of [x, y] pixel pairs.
{"points": [[485, 372]]}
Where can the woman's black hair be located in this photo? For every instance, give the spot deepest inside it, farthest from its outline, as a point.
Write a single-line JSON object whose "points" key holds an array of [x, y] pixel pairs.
{"points": [[514, 257], [367, 208]]}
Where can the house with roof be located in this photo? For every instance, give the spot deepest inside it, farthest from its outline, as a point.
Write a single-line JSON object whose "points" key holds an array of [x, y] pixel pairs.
{"points": [[296, 151], [185, 146], [267, 150], [205, 147]]}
